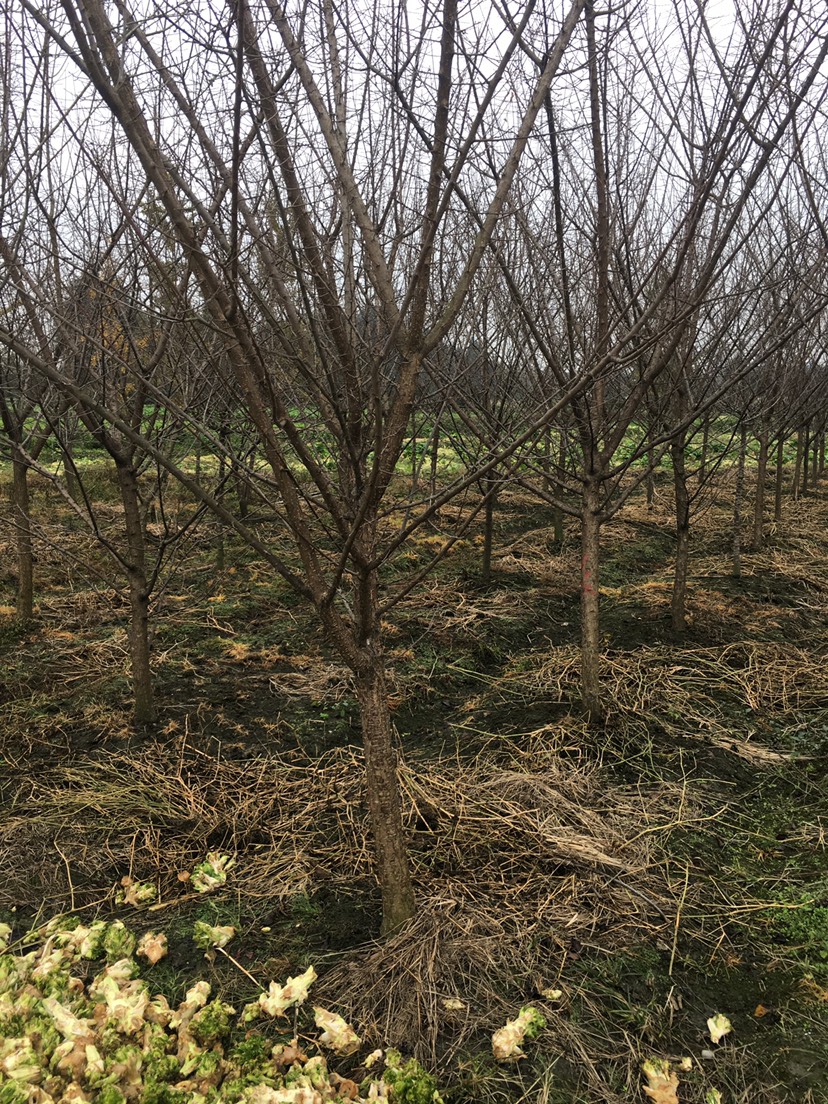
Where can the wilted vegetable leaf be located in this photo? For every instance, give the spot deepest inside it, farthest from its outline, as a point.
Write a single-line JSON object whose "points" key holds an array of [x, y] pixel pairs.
{"points": [[662, 1082], [712, 1096], [207, 936], [152, 946], [507, 1040], [135, 893], [719, 1026], [211, 873], [280, 997], [337, 1035]]}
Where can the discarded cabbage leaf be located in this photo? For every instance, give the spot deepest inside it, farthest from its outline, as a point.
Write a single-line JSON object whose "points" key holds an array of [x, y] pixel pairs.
{"points": [[211, 873], [712, 1096], [5, 932], [19, 1062], [118, 941], [552, 994], [507, 1040], [207, 937], [294, 991], [719, 1026], [136, 893], [337, 1035], [662, 1082], [152, 946], [453, 1004]]}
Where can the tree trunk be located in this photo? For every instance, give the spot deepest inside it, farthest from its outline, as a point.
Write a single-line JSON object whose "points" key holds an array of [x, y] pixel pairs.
{"points": [[759, 500], [815, 466], [780, 477], [806, 456], [488, 530], [796, 488], [435, 457], [138, 596], [558, 487], [679, 597], [23, 533], [737, 504], [590, 602], [704, 448], [384, 805], [650, 481], [822, 451]]}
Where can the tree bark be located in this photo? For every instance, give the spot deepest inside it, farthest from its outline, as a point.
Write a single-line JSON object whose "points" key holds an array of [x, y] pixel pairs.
{"points": [[806, 455], [488, 530], [796, 488], [704, 448], [590, 602], [679, 598], [384, 805], [780, 476], [759, 499], [737, 504], [650, 481], [142, 687], [23, 538]]}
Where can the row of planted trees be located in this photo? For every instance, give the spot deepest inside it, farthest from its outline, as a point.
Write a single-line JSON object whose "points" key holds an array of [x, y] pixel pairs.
{"points": [[265, 252]]}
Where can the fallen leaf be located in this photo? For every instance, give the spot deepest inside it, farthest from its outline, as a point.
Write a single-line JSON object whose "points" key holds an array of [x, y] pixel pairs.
{"points": [[760, 1011]]}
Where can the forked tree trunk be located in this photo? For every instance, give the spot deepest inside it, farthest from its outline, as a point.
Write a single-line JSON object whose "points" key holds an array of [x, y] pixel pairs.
{"points": [[737, 505], [780, 477], [384, 806], [23, 539], [678, 605], [138, 596], [759, 499], [590, 602]]}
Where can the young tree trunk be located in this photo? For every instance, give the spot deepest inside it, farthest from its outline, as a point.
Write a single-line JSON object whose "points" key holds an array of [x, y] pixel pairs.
{"points": [[488, 530], [759, 499], [822, 452], [590, 602], [737, 504], [679, 597], [384, 806], [557, 512], [138, 596], [435, 458], [704, 448], [650, 481], [221, 494], [815, 466], [796, 488], [806, 455], [780, 476], [23, 537]]}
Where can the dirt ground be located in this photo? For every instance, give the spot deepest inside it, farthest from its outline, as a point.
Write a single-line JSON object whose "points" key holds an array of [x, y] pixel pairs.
{"points": [[657, 870]]}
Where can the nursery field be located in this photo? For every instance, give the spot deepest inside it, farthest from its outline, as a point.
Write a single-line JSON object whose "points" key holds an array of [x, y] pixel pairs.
{"points": [[630, 881]]}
